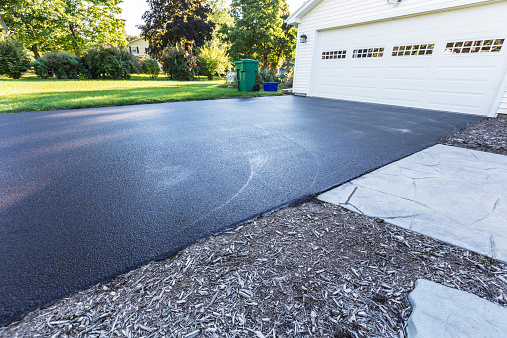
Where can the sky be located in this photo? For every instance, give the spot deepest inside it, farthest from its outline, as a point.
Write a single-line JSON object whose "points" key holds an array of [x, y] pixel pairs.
{"points": [[134, 9]]}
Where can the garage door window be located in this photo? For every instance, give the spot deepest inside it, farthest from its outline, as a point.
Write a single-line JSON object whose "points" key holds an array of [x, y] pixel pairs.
{"points": [[336, 54], [482, 46], [423, 49], [368, 53]]}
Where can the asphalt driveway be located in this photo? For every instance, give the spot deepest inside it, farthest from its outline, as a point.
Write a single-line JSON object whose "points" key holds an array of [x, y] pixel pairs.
{"points": [[88, 194]]}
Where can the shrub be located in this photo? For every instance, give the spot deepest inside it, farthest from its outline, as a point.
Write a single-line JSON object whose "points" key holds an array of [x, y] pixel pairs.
{"points": [[213, 60], [14, 60], [42, 68], [179, 65], [109, 62], [150, 67], [265, 76], [63, 65]]}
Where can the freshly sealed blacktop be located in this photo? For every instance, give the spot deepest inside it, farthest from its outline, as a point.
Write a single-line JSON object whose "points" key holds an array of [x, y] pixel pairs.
{"points": [[88, 194]]}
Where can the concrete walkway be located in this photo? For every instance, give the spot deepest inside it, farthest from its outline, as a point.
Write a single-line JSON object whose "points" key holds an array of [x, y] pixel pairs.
{"points": [[452, 194], [440, 311]]}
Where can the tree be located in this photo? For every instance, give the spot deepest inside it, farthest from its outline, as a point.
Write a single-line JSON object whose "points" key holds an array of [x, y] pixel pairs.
{"points": [[70, 25], [32, 22], [14, 60], [221, 17], [90, 23], [260, 32], [176, 22]]}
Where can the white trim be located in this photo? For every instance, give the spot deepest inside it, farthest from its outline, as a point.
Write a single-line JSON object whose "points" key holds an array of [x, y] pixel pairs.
{"points": [[137, 40], [295, 63], [315, 57], [296, 18], [502, 90]]}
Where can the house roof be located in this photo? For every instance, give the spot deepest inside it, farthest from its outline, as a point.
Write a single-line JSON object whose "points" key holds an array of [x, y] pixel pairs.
{"points": [[136, 40], [295, 18]]}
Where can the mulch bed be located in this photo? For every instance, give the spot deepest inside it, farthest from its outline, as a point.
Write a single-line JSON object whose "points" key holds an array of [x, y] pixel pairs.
{"points": [[488, 135], [312, 269]]}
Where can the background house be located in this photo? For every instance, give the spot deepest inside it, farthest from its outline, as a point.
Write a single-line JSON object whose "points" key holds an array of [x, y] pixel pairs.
{"points": [[435, 54], [139, 47]]}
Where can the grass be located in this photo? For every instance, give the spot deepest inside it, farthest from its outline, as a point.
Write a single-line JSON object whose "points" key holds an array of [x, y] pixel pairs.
{"points": [[33, 94]]}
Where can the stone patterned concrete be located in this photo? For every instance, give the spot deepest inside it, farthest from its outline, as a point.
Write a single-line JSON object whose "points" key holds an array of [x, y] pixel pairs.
{"points": [[440, 311], [452, 194]]}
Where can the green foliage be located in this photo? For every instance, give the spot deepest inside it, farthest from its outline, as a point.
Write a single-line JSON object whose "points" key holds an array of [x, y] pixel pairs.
{"points": [[150, 67], [213, 60], [63, 65], [14, 60], [178, 64], [259, 32], [131, 37], [42, 68], [221, 18], [267, 75], [110, 62], [176, 22], [70, 25], [90, 23]]}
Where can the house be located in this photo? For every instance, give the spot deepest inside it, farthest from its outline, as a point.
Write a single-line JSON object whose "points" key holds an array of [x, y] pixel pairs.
{"points": [[139, 47], [435, 54]]}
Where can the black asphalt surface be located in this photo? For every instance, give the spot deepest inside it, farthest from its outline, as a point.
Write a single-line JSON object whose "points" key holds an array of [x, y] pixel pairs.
{"points": [[88, 194]]}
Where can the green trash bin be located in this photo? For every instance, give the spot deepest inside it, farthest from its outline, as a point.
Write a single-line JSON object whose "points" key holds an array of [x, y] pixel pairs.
{"points": [[246, 72]]}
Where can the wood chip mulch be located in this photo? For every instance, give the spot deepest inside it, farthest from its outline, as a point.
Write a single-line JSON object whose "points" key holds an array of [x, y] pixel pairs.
{"points": [[312, 269], [488, 135]]}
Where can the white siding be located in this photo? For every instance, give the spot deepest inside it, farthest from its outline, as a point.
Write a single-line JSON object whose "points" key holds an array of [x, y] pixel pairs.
{"points": [[338, 13], [140, 44], [503, 105]]}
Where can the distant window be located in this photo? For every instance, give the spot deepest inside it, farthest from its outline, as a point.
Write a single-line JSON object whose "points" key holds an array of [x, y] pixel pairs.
{"points": [[368, 53], [422, 49], [337, 54], [146, 50], [476, 46]]}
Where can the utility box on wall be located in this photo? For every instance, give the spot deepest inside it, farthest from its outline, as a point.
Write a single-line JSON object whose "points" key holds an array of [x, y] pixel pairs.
{"points": [[246, 73]]}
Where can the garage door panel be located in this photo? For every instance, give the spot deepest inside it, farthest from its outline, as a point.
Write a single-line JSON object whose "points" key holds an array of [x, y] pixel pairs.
{"points": [[407, 73], [470, 101], [332, 89], [465, 83], [401, 95], [360, 92], [363, 73]]}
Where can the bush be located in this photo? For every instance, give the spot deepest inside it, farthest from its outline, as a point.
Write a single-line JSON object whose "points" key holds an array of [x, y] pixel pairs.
{"points": [[213, 60], [109, 62], [150, 67], [179, 65], [63, 65], [265, 76], [14, 60], [42, 68]]}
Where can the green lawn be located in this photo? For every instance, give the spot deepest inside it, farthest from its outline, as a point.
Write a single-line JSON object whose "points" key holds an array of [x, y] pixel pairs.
{"points": [[31, 93]]}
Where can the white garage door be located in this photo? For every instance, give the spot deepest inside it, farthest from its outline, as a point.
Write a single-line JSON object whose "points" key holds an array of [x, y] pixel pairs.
{"points": [[452, 61]]}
